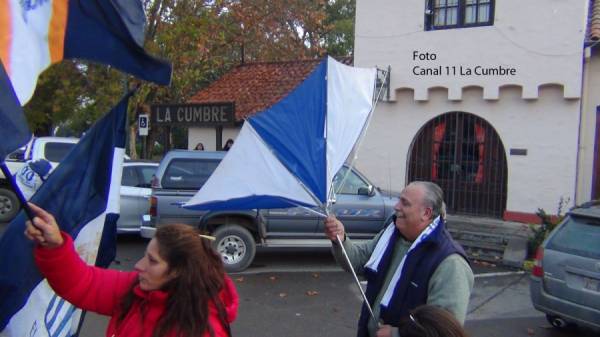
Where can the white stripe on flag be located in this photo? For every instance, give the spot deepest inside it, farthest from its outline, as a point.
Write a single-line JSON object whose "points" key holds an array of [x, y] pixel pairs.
{"points": [[29, 52], [114, 197]]}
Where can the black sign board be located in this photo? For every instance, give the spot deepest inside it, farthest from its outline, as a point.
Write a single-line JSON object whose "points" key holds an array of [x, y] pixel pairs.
{"points": [[207, 114]]}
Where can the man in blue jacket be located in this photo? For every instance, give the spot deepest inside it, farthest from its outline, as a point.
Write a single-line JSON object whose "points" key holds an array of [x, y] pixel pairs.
{"points": [[413, 261]]}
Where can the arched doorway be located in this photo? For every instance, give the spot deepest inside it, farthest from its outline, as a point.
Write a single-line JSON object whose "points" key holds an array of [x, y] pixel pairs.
{"points": [[464, 155]]}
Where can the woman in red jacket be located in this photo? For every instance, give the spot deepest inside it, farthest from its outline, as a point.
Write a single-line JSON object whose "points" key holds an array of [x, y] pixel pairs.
{"points": [[179, 288]]}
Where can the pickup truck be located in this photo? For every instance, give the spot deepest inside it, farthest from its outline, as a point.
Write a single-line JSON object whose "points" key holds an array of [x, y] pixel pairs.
{"points": [[52, 149], [363, 208]]}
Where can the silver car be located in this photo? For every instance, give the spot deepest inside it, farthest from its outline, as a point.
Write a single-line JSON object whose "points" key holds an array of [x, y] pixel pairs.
{"points": [[135, 192], [565, 281]]}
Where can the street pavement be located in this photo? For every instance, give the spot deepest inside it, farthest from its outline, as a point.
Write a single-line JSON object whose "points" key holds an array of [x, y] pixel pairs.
{"points": [[291, 292], [307, 303]]}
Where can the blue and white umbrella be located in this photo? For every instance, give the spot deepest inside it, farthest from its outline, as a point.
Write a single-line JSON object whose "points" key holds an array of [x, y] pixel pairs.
{"points": [[288, 154]]}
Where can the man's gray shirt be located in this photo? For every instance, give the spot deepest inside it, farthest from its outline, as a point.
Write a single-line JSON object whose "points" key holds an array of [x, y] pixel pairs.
{"points": [[449, 287]]}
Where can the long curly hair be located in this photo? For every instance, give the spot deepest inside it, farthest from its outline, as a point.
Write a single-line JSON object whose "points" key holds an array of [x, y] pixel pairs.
{"points": [[200, 278]]}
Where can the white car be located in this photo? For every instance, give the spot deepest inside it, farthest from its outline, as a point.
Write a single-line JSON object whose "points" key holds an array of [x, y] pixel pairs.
{"points": [[135, 192]]}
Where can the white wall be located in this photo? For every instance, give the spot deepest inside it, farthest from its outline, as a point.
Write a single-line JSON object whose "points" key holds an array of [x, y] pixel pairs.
{"points": [[536, 109], [207, 136], [541, 39], [545, 127]]}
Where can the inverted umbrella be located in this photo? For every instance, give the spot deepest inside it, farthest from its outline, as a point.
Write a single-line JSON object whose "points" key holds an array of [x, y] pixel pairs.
{"points": [[288, 154]]}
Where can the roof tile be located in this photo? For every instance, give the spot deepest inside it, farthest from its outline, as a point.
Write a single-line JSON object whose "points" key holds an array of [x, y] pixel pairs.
{"points": [[253, 87], [256, 86]]}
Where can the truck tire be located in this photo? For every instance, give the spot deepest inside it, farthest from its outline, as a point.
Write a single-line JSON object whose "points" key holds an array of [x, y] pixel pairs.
{"points": [[9, 205], [236, 246]]}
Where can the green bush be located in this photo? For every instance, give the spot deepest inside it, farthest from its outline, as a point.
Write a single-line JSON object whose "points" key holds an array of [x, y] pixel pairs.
{"points": [[548, 223]]}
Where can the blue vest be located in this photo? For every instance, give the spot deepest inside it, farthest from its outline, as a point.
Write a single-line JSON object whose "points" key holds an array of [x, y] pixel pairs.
{"points": [[411, 290]]}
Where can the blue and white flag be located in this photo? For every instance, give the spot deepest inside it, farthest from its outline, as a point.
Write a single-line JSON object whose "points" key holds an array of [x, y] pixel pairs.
{"points": [[288, 154], [15, 132], [36, 34], [83, 195]]}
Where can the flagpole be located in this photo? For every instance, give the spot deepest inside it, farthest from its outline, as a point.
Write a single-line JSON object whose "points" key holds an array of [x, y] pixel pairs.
{"points": [[329, 204], [17, 190], [364, 296], [347, 259]]}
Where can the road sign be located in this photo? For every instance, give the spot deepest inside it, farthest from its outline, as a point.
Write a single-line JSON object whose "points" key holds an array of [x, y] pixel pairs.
{"points": [[143, 124]]}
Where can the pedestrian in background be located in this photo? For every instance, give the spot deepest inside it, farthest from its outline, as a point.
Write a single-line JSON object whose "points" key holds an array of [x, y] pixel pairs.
{"points": [[430, 321], [199, 147], [411, 262], [228, 144], [179, 288]]}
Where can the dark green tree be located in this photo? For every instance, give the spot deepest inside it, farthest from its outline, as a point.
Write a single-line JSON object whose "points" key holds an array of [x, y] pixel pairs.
{"points": [[339, 39]]}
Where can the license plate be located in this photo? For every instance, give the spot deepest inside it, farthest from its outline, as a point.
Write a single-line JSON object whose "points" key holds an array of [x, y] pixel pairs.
{"points": [[591, 284]]}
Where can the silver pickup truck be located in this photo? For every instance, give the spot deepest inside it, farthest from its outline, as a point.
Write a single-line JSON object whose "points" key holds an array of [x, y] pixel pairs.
{"points": [[363, 208]]}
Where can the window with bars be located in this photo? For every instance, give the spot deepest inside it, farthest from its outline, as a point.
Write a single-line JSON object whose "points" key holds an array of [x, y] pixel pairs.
{"points": [[447, 14]]}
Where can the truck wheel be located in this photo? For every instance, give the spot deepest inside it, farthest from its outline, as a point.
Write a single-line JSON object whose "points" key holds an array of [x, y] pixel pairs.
{"points": [[236, 246], [9, 205]]}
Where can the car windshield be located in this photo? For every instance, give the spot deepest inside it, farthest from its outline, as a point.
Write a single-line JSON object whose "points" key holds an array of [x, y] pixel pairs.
{"points": [[55, 152], [188, 174], [578, 236]]}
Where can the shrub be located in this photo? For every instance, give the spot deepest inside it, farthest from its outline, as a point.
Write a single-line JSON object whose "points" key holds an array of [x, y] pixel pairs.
{"points": [[548, 223]]}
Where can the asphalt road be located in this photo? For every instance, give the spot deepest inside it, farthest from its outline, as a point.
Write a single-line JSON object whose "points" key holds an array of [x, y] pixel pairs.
{"points": [[292, 292], [328, 303]]}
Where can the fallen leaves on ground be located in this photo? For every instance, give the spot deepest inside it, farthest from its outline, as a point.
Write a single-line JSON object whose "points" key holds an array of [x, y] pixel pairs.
{"points": [[484, 263]]}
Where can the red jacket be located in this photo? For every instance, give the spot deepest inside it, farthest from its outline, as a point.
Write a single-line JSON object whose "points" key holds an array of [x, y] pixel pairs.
{"points": [[101, 290]]}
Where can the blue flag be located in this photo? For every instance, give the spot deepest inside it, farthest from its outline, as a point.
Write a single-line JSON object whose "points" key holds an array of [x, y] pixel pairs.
{"points": [[15, 132], [83, 195]]}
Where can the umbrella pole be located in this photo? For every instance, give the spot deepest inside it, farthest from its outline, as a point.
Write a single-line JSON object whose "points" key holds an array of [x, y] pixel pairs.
{"points": [[339, 241]]}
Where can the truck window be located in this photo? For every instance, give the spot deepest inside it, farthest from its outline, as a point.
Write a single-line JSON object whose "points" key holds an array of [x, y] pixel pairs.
{"points": [[352, 183], [17, 155], [146, 172], [188, 174], [129, 177], [56, 152]]}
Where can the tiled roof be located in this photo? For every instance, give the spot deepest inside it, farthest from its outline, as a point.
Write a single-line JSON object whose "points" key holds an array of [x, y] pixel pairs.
{"points": [[254, 87], [593, 33]]}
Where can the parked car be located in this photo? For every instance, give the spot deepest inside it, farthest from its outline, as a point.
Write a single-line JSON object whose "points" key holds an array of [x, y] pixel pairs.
{"points": [[362, 207], [565, 281], [135, 192]]}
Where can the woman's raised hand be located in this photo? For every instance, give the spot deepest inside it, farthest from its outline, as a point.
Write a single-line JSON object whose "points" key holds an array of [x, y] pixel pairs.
{"points": [[44, 229]]}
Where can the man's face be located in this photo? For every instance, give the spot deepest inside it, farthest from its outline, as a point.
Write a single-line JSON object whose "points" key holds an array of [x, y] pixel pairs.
{"points": [[412, 216]]}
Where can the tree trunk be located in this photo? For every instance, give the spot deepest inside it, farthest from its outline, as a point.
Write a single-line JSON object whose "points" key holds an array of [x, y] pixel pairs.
{"points": [[132, 137]]}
